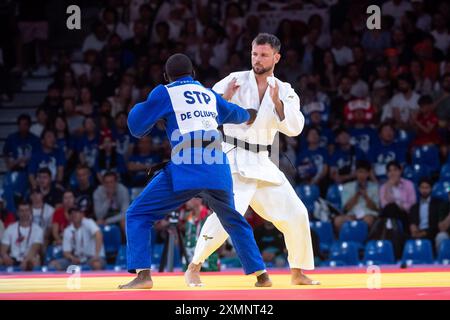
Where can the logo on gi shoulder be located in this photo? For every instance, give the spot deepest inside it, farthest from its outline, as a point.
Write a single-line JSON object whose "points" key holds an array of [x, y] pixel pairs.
{"points": [[206, 237]]}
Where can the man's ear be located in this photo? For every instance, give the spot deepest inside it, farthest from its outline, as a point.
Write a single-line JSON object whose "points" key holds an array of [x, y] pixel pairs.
{"points": [[193, 73], [277, 57], [166, 77]]}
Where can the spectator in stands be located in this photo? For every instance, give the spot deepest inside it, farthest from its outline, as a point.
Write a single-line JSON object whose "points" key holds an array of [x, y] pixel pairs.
{"points": [[424, 215], [424, 85], [312, 162], [397, 195], [108, 159], [52, 103], [385, 150], [64, 140], [271, 244], [22, 241], [49, 156], [86, 108], [51, 193], [359, 89], [18, 148], [87, 144], [111, 200], [442, 100], [96, 40], [342, 97], [42, 214], [359, 198], [84, 189], [68, 85], [426, 123], [403, 105], [125, 142], [444, 221], [41, 124], [343, 160], [82, 243], [6, 216], [140, 163], [74, 120], [61, 217]]}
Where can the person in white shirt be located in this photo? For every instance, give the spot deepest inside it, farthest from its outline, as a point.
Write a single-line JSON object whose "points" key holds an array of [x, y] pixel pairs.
{"points": [[42, 118], [82, 243], [396, 9], [42, 212], [342, 54], [97, 39], [404, 105], [22, 241], [440, 33]]}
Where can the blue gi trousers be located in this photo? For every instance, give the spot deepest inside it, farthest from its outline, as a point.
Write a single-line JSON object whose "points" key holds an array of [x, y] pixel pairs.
{"points": [[159, 199]]}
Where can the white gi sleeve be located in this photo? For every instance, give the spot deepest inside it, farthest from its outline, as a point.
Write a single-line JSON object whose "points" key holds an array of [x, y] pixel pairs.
{"points": [[294, 121]]}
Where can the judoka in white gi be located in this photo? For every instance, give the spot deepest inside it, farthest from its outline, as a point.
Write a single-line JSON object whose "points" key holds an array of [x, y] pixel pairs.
{"points": [[257, 181]]}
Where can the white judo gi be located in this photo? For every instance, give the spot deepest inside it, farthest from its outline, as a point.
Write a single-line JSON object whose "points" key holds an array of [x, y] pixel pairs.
{"points": [[257, 181]]}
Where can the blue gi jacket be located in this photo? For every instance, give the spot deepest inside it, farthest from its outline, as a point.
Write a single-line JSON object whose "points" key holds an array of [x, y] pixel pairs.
{"points": [[190, 111]]}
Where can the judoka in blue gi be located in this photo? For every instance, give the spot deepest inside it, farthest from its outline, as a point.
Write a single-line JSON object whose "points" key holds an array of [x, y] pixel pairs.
{"points": [[198, 167]]}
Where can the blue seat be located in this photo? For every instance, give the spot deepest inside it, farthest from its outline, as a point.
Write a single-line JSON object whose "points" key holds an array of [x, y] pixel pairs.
{"points": [[157, 253], [309, 194], [416, 172], [52, 253], [440, 190], [112, 239], [121, 258], [427, 156], [417, 252], [379, 252], [324, 231], [355, 231], [444, 252], [445, 172], [344, 253], [333, 196]]}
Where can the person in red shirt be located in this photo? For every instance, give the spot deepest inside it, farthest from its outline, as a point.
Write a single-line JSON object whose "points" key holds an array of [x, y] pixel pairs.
{"points": [[61, 217], [6, 216], [426, 123]]}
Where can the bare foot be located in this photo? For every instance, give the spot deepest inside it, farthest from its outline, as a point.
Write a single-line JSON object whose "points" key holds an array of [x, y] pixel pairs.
{"points": [[192, 275], [299, 278], [142, 281], [263, 280]]}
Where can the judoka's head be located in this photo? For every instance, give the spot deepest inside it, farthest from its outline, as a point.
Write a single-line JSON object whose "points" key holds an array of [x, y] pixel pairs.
{"points": [[177, 66], [265, 53]]}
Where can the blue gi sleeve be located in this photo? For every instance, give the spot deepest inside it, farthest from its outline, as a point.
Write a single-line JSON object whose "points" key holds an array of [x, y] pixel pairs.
{"points": [[144, 115], [230, 112]]}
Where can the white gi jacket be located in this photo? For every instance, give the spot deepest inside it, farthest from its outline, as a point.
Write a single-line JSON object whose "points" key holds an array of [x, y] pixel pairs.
{"points": [[258, 165]]}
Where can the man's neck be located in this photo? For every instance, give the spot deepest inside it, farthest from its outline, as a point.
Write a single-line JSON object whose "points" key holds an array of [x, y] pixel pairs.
{"points": [[45, 190], [261, 79], [38, 205], [25, 224]]}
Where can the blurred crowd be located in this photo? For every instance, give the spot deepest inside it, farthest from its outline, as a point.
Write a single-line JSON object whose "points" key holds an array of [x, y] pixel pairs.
{"points": [[376, 103]]}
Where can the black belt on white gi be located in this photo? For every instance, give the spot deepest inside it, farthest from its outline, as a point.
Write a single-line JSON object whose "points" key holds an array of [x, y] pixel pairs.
{"points": [[253, 147]]}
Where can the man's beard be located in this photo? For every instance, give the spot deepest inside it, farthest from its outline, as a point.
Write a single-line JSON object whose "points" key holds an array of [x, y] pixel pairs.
{"points": [[261, 70]]}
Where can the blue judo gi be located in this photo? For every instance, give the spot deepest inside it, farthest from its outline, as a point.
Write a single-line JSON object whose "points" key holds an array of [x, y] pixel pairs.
{"points": [[190, 112]]}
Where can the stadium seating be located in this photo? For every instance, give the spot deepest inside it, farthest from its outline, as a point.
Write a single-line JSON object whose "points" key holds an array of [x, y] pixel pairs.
{"points": [[445, 172], [343, 253], [121, 258], [52, 253], [309, 193], [334, 195], [379, 252], [428, 156], [440, 190], [325, 232], [444, 252], [112, 239], [416, 172], [355, 231], [417, 252]]}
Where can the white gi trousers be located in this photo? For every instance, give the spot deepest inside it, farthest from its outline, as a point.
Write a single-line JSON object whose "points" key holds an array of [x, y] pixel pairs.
{"points": [[278, 204]]}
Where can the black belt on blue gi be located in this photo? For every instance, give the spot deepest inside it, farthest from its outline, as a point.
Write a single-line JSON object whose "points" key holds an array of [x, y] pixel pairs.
{"points": [[187, 143]]}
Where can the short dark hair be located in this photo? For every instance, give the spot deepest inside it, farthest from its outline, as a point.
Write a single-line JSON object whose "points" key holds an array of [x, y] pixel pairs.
{"points": [[178, 65], [407, 78], [426, 180], [425, 99], [363, 164], [267, 38], [393, 163], [23, 202], [25, 117], [45, 170], [110, 174]]}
